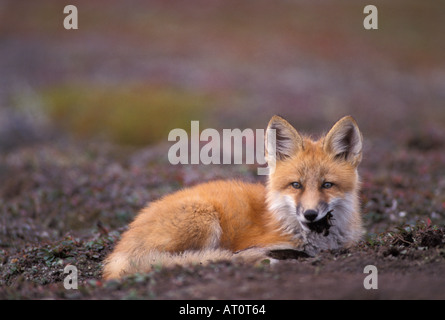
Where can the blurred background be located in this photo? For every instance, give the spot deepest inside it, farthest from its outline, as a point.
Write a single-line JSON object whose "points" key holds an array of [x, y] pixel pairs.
{"points": [[85, 114], [134, 70]]}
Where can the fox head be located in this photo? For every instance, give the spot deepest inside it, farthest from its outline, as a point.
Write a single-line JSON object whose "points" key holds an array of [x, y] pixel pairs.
{"points": [[315, 183]]}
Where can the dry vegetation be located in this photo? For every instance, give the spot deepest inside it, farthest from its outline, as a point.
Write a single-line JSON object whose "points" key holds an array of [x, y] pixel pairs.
{"points": [[84, 118]]}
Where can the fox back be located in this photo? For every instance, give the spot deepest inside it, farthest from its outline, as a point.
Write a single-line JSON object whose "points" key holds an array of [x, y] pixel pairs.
{"points": [[310, 203]]}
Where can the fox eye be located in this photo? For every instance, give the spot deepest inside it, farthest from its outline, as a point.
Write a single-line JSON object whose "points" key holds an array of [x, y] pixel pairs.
{"points": [[327, 185], [296, 185]]}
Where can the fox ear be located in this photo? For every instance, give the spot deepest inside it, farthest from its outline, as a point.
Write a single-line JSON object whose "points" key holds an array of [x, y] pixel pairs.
{"points": [[344, 141], [282, 140]]}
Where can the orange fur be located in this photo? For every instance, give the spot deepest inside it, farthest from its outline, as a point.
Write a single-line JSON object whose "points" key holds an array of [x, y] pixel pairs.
{"points": [[223, 220]]}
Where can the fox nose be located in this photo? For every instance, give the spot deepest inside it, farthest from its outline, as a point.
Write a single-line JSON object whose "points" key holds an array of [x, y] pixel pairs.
{"points": [[310, 215]]}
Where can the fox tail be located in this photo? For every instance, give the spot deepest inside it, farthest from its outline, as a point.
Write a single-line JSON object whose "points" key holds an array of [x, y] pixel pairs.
{"points": [[120, 264]]}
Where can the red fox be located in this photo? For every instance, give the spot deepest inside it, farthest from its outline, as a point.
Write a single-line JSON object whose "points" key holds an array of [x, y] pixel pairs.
{"points": [[310, 203]]}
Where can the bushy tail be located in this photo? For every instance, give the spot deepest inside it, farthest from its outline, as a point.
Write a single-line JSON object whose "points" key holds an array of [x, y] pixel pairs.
{"points": [[119, 264]]}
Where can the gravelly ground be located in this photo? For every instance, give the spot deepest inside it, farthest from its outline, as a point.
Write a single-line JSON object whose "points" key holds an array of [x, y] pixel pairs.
{"points": [[65, 200]]}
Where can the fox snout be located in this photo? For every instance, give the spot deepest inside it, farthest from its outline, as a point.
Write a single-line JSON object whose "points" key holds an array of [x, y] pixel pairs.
{"points": [[317, 220], [310, 215]]}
